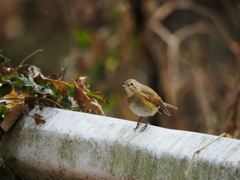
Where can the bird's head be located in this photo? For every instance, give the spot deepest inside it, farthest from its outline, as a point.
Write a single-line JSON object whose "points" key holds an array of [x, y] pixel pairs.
{"points": [[131, 86]]}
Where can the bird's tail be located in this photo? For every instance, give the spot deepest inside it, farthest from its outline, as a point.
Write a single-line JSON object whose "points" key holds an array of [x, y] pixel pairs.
{"points": [[170, 106], [165, 110]]}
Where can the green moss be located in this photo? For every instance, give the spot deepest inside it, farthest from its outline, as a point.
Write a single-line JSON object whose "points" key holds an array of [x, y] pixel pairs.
{"points": [[121, 158]]}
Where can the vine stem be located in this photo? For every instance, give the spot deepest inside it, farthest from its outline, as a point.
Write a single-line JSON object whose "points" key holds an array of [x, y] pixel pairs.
{"points": [[30, 55], [20, 99]]}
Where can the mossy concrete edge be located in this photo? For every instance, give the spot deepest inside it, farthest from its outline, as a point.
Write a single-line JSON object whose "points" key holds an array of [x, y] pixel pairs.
{"points": [[73, 145]]}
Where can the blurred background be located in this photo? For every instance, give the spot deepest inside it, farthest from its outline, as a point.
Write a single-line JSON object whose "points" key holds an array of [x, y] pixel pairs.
{"points": [[187, 51]]}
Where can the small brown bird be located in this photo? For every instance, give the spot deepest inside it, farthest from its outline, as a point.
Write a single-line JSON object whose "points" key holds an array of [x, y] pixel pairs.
{"points": [[144, 101]]}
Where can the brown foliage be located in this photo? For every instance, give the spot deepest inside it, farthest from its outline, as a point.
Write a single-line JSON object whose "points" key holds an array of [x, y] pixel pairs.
{"points": [[12, 117]]}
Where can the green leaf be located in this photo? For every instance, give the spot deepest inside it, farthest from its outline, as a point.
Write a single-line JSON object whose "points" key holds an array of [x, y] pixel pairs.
{"points": [[72, 91], [26, 81], [4, 59], [37, 90], [3, 110], [59, 99], [16, 83], [43, 90], [10, 74], [5, 89], [98, 95], [34, 71], [40, 81], [28, 90]]}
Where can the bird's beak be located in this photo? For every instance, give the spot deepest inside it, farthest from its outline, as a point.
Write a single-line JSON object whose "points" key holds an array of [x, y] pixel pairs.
{"points": [[123, 86]]}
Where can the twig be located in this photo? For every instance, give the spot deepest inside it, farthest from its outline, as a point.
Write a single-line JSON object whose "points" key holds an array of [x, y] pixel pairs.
{"points": [[30, 55], [35, 100], [52, 102], [198, 151]]}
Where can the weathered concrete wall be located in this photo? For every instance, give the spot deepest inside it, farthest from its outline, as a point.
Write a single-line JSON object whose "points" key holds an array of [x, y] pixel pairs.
{"points": [[72, 145]]}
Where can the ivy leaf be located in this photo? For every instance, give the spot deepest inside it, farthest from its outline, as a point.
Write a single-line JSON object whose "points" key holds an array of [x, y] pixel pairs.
{"points": [[5, 89], [32, 88], [16, 83], [98, 95], [34, 71], [26, 81], [42, 90], [9, 74], [41, 80]]}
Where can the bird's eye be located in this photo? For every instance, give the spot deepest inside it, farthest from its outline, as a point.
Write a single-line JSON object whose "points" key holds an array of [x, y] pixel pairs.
{"points": [[132, 84]]}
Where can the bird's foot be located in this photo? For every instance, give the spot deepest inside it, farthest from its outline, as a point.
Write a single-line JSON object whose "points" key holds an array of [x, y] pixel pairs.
{"points": [[144, 127], [137, 126]]}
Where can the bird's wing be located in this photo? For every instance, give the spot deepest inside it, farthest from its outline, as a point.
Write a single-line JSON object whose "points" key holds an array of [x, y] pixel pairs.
{"points": [[153, 97]]}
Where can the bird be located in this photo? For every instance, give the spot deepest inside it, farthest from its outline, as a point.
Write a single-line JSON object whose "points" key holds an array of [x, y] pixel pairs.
{"points": [[144, 101]]}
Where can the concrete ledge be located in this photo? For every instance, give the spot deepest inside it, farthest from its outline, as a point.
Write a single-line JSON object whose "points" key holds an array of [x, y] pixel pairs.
{"points": [[73, 145]]}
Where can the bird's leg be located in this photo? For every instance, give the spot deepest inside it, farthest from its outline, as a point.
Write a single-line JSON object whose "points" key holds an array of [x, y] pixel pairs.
{"points": [[138, 124], [144, 127]]}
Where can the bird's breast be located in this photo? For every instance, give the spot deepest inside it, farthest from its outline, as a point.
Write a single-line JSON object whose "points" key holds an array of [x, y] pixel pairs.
{"points": [[141, 106]]}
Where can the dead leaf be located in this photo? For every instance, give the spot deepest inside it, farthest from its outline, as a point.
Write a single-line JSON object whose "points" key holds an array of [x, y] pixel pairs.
{"points": [[11, 118], [12, 94], [60, 77], [14, 98], [39, 119], [80, 96], [81, 82], [60, 85], [96, 107]]}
